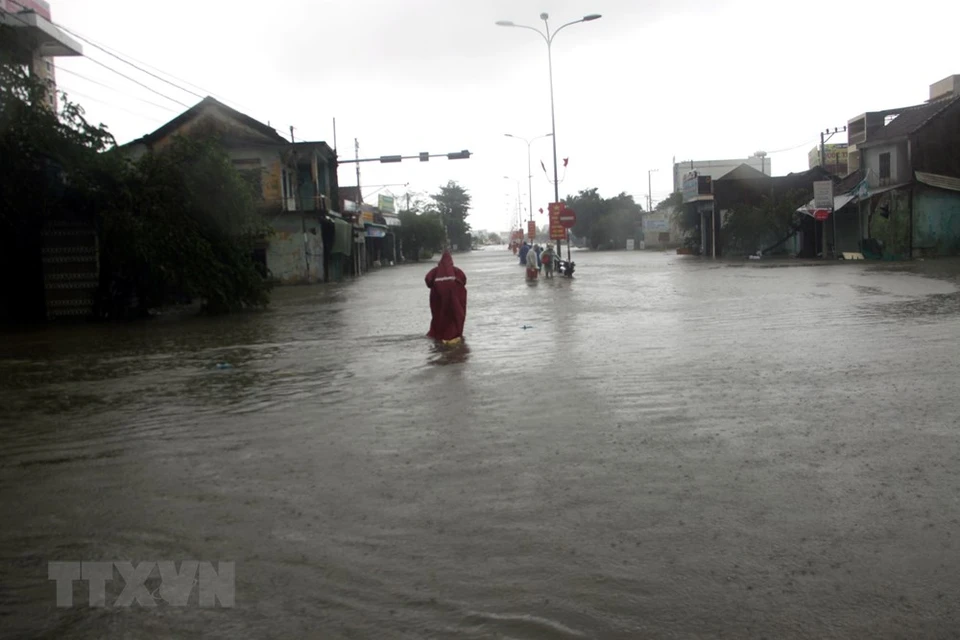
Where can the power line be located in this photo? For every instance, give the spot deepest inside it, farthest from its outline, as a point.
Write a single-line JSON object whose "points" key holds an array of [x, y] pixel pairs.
{"points": [[68, 92], [147, 87], [106, 86], [120, 55], [802, 144], [110, 53], [94, 60]]}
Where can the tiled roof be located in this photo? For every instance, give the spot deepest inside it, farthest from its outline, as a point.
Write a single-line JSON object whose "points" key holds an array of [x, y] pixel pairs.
{"points": [[268, 132]]}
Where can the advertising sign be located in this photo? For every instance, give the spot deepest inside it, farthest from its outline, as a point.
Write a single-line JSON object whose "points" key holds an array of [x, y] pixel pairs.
{"points": [[387, 204], [532, 230], [697, 187], [823, 194]]}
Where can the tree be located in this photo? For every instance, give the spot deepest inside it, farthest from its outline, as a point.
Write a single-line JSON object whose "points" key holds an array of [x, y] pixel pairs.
{"points": [[685, 217], [452, 203], [185, 225], [177, 223], [750, 228], [604, 221], [421, 234], [494, 238], [53, 167]]}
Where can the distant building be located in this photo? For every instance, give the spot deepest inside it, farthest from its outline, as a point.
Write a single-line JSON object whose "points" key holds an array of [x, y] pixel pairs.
{"points": [[716, 169], [36, 40], [835, 156]]}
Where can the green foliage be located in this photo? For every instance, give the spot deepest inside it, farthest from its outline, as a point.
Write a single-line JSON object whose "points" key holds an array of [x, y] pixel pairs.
{"points": [[606, 223], [53, 167], [686, 218], [673, 202], [748, 229], [185, 225], [421, 233], [452, 204], [177, 223]]}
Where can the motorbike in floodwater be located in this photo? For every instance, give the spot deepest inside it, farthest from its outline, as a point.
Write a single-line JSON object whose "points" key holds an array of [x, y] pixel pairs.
{"points": [[565, 268]]}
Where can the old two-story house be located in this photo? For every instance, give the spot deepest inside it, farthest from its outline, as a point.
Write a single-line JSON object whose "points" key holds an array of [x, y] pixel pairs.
{"points": [[907, 175], [297, 184]]}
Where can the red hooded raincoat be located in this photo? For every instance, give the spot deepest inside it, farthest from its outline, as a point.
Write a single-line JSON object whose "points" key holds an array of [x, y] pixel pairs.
{"points": [[448, 299]]}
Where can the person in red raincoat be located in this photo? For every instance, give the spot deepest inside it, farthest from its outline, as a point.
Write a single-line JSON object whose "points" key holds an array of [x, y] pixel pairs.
{"points": [[448, 300]]}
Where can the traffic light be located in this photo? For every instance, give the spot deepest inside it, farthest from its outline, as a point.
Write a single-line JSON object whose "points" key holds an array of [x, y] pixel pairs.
{"points": [[459, 155], [424, 156]]}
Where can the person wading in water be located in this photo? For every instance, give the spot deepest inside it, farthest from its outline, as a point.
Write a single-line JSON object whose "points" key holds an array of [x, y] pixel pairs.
{"points": [[448, 300]]}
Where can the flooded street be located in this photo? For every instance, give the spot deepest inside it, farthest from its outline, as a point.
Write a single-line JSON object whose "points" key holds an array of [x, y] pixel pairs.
{"points": [[663, 447]]}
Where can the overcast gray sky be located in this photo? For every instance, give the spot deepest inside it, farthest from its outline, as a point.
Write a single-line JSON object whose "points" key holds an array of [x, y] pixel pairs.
{"points": [[650, 81]]}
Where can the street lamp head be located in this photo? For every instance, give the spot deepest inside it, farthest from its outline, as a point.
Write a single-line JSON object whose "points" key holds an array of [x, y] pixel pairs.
{"points": [[544, 16], [505, 23], [592, 16], [510, 135]]}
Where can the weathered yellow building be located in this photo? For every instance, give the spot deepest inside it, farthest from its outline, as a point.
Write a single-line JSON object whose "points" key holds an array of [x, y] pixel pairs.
{"points": [[298, 187]]}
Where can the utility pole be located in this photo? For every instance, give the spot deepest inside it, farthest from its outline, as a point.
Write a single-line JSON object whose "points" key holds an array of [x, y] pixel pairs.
{"points": [[357, 245], [824, 137], [650, 190], [823, 165]]}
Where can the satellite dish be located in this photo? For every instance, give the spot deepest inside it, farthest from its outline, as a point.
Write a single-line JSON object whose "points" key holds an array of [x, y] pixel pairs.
{"points": [[760, 154]]}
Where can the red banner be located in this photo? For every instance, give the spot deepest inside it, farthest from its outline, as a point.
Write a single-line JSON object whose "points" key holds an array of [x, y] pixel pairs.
{"points": [[532, 229], [557, 230]]}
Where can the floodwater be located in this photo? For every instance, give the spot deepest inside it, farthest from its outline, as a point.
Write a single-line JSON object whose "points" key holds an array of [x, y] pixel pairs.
{"points": [[665, 447]]}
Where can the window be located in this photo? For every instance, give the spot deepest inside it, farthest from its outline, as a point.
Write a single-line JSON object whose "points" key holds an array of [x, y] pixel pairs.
{"points": [[885, 166]]}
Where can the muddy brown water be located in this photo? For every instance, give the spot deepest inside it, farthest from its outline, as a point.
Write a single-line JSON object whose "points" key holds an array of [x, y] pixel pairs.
{"points": [[671, 448]]}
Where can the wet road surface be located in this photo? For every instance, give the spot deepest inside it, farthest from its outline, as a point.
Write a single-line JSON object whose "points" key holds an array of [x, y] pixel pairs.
{"points": [[672, 448]]}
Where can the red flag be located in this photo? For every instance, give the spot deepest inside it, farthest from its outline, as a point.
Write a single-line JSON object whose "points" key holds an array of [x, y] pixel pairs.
{"points": [[565, 161], [544, 166]]}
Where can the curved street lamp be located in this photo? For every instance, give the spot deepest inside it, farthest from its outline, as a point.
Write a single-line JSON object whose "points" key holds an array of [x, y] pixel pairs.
{"points": [[548, 38]]}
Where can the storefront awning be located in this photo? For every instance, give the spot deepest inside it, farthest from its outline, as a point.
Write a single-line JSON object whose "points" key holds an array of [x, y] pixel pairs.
{"points": [[839, 202], [948, 183]]}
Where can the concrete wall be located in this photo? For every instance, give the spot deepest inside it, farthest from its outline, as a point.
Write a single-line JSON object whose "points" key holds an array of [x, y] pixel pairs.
{"points": [[936, 222], [899, 167], [295, 256], [656, 223], [894, 229]]}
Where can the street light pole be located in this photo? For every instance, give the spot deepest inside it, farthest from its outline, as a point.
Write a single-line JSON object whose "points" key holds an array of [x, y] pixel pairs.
{"points": [[519, 211], [529, 166], [548, 38]]}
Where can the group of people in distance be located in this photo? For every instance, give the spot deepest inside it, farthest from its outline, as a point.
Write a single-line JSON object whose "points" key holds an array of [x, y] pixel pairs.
{"points": [[536, 258]]}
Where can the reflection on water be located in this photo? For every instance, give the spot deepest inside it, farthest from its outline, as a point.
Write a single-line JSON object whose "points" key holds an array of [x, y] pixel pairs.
{"points": [[657, 448]]}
